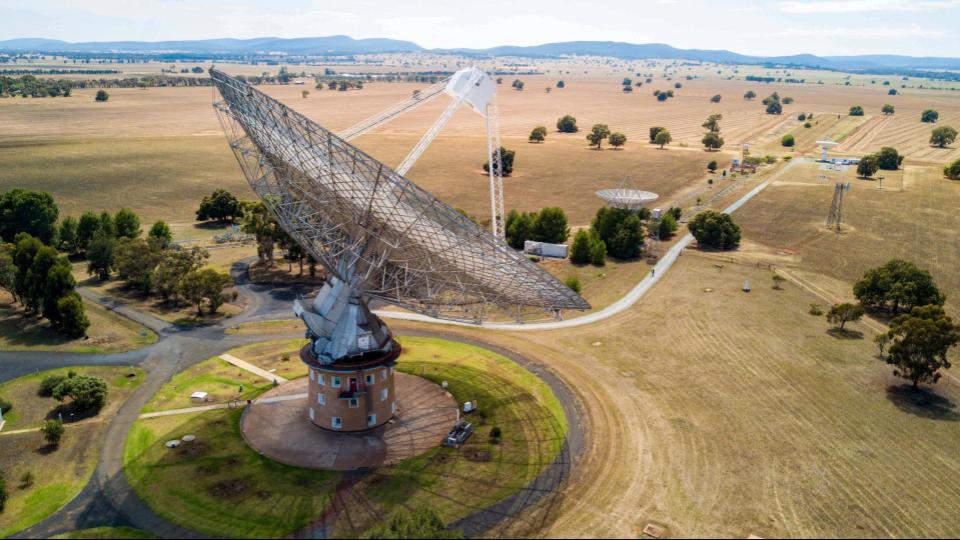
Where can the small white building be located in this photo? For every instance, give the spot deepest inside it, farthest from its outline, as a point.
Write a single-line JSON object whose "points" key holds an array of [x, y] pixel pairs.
{"points": [[545, 249]]}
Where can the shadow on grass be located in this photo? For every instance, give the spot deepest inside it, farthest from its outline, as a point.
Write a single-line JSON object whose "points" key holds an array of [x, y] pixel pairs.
{"points": [[70, 413], [922, 402], [845, 333]]}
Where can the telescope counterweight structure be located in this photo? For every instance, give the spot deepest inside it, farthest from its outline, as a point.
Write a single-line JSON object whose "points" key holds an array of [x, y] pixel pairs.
{"points": [[378, 235]]}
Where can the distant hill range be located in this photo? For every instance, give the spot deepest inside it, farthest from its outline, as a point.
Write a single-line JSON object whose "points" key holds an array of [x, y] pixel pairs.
{"points": [[341, 45]]}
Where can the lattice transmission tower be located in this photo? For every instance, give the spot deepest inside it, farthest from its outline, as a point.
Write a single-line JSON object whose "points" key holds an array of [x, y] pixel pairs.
{"points": [[835, 217]]}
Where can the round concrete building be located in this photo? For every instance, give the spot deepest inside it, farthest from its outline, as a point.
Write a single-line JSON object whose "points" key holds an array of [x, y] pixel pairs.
{"points": [[351, 359]]}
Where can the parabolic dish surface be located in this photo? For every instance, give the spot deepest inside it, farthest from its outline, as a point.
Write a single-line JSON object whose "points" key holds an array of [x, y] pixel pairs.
{"points": [[373, 228]]}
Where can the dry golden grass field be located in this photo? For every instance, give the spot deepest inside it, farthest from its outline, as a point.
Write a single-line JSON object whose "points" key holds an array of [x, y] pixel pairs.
{"points": [[724, 414], [707, 410], [917, 223]]}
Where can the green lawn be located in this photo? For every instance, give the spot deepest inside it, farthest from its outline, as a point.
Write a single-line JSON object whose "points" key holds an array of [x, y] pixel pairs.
{"points": [[107, 533], [222, 380], [40, 480], [219, 486]]}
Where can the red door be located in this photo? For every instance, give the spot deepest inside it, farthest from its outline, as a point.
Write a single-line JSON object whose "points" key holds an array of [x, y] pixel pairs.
{"points": [[353, 384]]}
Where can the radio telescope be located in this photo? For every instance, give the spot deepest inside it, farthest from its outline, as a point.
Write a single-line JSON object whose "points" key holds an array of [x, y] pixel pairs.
{"points": [[627, 196], [380, 237]]}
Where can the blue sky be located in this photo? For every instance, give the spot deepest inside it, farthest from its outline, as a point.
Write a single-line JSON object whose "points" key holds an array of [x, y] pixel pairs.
{"points": [[824, 27]]}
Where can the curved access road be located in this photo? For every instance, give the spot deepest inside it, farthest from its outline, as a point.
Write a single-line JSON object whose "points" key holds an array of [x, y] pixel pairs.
{"points": [[621, 305]]}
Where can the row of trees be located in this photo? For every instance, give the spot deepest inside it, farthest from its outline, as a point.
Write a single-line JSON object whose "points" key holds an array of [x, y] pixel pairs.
{"points": [[41, 280], [887, 159], [31, 268]]}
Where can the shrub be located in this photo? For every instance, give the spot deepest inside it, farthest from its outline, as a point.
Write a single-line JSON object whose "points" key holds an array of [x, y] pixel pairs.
{"points": [[419, 524], [856, 110], [815, 310], [3, 492], [102, 95], [5, 405], [929, 116], [539, 134], [52, 432], [573, 282], [952, 171], [788, 140], [712, 166]]}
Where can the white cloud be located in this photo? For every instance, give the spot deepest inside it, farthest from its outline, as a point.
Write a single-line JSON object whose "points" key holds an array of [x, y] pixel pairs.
{"points": [[861, 6]]}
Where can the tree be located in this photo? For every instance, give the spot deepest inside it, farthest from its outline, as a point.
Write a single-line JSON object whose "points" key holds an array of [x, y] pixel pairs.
{"points": [[712, 166], [550, 226], [598, 250], [943, 136], [126, 224], [749, 95], [713, 122], [929, 116], [35, 280], [23, 254], [31, 212], [662, 96], [856, 110], [135, 262], [920, 341], [87, 227], [895, 286], [221, 205], [597, 134], [561, 84], [667, 227], [258, 221], [89, 394], [952, 171], [715, 99], [580, 249], [841, 314], [101, 255], [787, 100], [161, 232], [774, 107], [102, 96], [506, 160], [712, 141], [205, 284], [419, 524], [887, 109], [72, 319], [778, 281], [628, 89], [617, 139], [653, 133], [59, 283], [106, 224], [52, 431], [67, 235], [8, 270], [567, 124], [620, 230], [518, 228], [517, 85], [868, 166], [175, 263], [715, 230], [539, 134], [3, 492], [889, 159], [788, 140], [663, 138], [627, 241]]}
